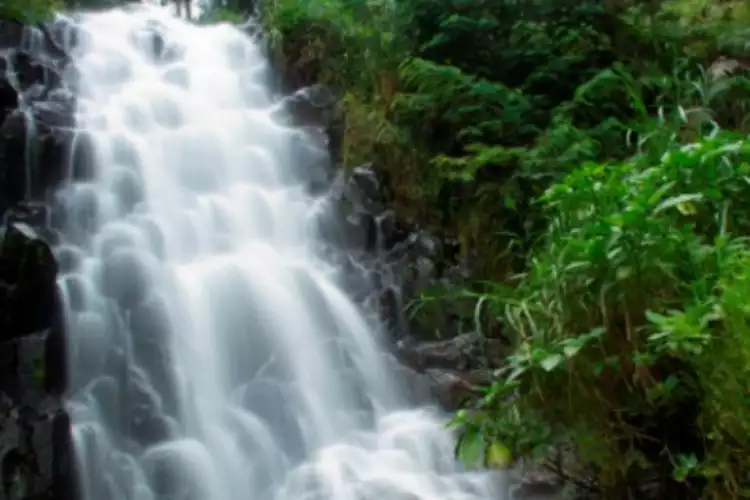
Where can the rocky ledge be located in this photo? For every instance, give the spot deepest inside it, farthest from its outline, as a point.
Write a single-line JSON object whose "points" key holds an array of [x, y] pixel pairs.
{"points": [[394, 256], [36, 134]]}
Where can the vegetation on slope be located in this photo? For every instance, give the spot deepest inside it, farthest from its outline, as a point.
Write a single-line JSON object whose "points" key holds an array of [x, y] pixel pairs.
{"points": [[593, 155], [26, 10]]}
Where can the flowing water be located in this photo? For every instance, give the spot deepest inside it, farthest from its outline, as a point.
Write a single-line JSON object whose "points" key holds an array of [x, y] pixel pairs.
{"points": [[214, 355]]}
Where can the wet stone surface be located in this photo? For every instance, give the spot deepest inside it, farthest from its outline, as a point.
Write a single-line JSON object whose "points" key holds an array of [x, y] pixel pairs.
{"points": [[36, 128]]}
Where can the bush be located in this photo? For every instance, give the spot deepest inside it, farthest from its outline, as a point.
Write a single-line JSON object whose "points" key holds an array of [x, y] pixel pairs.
{"points": [[592, 156], [624, 314]]}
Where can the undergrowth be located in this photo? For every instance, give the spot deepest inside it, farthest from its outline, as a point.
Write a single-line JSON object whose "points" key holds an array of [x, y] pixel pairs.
{"points": [[592, 158], [27, 10]]}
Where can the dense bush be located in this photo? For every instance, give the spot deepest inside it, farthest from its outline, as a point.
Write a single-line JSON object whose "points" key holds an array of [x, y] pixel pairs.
{"points": [[593, 155], [631, 324]]}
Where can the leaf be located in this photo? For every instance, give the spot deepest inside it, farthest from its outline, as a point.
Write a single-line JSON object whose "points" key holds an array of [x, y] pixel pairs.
{"points": [[552, 361], [517, 372], [572, 348], [498, 456], [471, 448], [682, 202], [656, 318]]}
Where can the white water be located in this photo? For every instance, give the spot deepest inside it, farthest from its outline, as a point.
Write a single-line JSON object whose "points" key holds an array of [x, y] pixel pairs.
{"points": [[213, 355]]}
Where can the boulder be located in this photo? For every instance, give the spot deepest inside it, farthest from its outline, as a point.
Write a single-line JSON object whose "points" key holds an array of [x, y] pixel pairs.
{"points": [[28, 293], [455, 369]]}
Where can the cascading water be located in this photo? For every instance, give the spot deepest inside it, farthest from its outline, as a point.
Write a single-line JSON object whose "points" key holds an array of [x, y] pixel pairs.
{"points": [[213, 355]]}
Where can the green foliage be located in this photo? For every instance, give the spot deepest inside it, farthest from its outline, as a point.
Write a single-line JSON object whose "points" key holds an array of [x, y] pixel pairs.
{"points": [[593, 156], [632, 309], [220, 15], [27, 10]]}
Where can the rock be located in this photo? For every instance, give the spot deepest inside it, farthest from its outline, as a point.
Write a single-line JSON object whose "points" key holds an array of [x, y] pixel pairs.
{"points": [[464, 352], [28, 270], [36, 448], [316, 107], [35, 438], [453, 388], [35, 435], [454, 368], [35, 99], [394, 256]]}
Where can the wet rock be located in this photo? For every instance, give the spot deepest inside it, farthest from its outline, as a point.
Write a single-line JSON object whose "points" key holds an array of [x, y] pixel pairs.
{"points": [[462, 353], [83, 161], [454, 368], [11, 33], [126, 278], [453, 389], [36, 113], [151, 331], [316, 107], [35, 439], [35, 435], [28, 270], [312, 106]]}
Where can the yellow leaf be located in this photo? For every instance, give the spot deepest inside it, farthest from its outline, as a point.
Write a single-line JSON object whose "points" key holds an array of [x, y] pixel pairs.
{"points": [[687, 208], [499, 456]]}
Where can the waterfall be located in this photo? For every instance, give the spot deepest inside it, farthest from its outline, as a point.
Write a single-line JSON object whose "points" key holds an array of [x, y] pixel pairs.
{"points": [[213, 353]]}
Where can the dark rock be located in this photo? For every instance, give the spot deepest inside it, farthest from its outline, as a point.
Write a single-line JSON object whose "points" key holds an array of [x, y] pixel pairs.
{"points": [[64, 483], [316, 107], [455, 368], [452, 388], [28, 294], [35, 109], [464, 352], [11, 33], [36, 117], [35, 436], [82, 164]]}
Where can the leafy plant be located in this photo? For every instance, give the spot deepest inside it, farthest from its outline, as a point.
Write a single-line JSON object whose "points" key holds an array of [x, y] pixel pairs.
{"points": [[592, 158], [27, 10]]}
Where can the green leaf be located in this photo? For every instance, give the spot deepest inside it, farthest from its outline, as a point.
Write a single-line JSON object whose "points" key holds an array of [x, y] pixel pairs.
{"points": [[498, 456], [471, 448], [552, 361], [682, 202], [572, 348], [655, 318]]}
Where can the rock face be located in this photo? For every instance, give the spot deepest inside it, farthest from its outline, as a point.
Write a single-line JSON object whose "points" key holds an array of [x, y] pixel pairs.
{"points": [[35, 443], [36, 113], [36, 130], [397, 258], [382, 251]]}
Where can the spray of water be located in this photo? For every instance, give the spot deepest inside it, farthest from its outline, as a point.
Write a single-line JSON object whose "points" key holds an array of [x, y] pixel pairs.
{"points": [[213, 355]]}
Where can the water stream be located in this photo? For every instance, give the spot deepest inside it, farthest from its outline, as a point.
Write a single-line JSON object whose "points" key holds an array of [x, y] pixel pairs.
{"points": [[214, 355]]}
